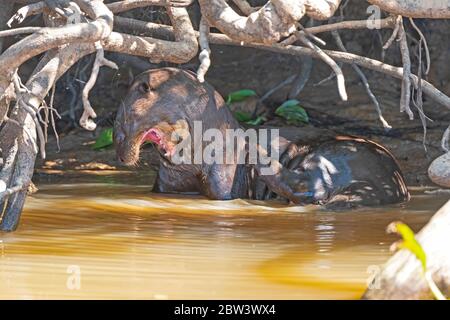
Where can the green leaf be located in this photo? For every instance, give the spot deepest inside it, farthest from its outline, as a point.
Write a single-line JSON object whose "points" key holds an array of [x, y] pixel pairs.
{"points": [[240, 95], [409, 242], [242, 116], [292, 112], [290, 103], [105, 139], [256, 122], [245, 117]]}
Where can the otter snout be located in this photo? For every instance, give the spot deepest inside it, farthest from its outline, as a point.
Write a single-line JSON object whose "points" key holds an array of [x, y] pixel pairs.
{"points": [[122, 145], [119, 140]]}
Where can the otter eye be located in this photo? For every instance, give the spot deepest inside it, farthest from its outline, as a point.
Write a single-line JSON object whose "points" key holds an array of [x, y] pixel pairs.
{"points": [[144, 87]]}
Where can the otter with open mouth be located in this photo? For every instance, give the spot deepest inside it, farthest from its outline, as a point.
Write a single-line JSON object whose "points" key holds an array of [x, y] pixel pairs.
{"points": [[165, 137], [162, 106]]}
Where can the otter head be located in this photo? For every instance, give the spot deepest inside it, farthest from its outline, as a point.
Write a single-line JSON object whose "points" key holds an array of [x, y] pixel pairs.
{"points": [[152, 110]]}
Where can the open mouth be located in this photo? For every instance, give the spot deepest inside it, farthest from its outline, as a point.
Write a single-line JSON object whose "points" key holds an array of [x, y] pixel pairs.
{"points": [[159, 138]]}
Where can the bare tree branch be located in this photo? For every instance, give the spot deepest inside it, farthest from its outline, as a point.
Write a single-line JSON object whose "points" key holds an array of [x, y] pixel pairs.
{"points": [[425, 44], [48, 38], [88, 113], [345, 57], [121, 6], [267, 25], [398, 21], [26, 11], [415, 9], [445, 139], [182, 50], [17, 31], [347, 25], [276, 19], [406, 82], [204, 58], [363, 78], [146, 28], [333, 65], [7, 9]]}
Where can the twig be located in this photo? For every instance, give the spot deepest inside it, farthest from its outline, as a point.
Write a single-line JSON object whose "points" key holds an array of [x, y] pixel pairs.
{"points": [[302, 78], [44, 121], [52, 117], [17, 31], [309, 35], [121, 6], [363, 78], [327, 79], [277, 87], [88, 114], [445, 139], [425, 45], [406, 82], [423, 118], [341, 57], [353, 24], [394, 34], [328, 60], [21, 90], [205, 52], [25, 12], [418, 99]]}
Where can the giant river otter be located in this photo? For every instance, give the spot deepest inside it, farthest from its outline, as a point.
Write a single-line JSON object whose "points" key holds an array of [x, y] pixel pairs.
{"points": [[164, 106]]}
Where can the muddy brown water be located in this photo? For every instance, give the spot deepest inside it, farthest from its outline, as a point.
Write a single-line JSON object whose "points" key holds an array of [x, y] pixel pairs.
{"points": [[107, 236]]}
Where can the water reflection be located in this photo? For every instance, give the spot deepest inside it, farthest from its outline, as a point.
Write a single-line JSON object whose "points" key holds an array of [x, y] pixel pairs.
{"points": [[325, 234], [129, 243]]}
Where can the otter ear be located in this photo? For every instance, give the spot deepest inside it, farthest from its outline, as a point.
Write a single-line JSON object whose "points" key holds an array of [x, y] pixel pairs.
{"points": [[144, 87]]}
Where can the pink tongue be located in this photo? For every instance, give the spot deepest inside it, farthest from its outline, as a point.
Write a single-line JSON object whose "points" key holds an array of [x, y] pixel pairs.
{"points": [[152, 135]]}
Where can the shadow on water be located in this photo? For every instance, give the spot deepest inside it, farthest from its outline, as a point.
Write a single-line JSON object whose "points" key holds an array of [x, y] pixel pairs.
{"points": [[129, 243]]}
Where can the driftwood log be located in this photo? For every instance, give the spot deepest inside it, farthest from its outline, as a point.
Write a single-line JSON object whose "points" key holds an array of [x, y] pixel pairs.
{"points": [[402, 276]]}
